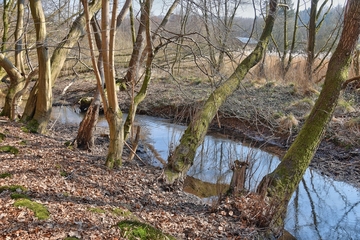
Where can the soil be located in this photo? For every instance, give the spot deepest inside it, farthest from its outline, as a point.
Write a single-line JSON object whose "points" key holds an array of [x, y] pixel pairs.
{"points": [[87, 201]]}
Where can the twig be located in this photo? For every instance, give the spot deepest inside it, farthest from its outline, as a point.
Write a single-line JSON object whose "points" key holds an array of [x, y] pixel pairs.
{"points": [[135, 153]]}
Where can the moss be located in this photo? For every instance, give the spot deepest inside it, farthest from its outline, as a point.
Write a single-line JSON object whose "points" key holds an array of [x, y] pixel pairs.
{"points": [[13, 188], [137, 230], [5, 175], [2, 137], [97, 210], [23, 142], [39, 210], [31, 127], [122, 212], [19, 195], [9, 149], [64, 173]]}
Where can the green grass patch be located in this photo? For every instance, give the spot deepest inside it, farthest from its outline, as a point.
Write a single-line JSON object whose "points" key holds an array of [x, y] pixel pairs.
{"points": [[23, 142], [19, 196], [13, 188], [97, 210], [5, 175], [9, 149], [137, 230], [39, 210]]}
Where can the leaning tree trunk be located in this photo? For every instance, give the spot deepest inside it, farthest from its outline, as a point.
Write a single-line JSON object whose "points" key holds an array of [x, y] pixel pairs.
{"points": [[283, 181], [43, 103], [183, 156]]}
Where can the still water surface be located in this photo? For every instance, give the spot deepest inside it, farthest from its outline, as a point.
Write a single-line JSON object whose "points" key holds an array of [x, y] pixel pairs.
{"points": [[321, 208]]}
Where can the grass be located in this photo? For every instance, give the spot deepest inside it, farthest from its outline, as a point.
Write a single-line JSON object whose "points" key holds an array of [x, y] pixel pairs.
{"points": [[39, 210]]}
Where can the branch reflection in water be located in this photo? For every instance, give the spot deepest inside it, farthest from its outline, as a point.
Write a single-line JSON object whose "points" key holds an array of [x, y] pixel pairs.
{"points": [[321, 208]]}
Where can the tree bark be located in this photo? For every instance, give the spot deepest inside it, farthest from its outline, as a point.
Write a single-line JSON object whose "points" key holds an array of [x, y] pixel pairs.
{"points": [[15, 83], [283, 181], [43, 103], [60, 53], [238, 178], [183, 156], [85, 137]]}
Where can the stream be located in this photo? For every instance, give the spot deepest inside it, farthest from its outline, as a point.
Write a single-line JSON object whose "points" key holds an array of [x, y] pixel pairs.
{"points": [[321, 208]]}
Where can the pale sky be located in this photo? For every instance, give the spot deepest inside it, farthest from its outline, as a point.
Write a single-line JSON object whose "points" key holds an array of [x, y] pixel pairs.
{"points": [[245, 10]]}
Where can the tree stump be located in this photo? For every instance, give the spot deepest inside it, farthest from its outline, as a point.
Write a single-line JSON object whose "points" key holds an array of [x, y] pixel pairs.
{"points": [[238, 178]]}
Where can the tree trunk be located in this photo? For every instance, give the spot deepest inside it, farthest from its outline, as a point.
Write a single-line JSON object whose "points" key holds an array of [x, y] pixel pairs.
{"points": [[116, 129], [15, 83], [60, 53], [311, 39], [44, 94], [85, 137], [238, 178], [183, 156], [283, 181]]}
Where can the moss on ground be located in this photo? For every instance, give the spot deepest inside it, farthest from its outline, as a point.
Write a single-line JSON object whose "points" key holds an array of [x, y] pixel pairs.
{"points": [[13, 188], [137, 230], [97, 210], [19, 196], [2, 137], [39, 210], [121, 212], [5, 175], [9, 149]]}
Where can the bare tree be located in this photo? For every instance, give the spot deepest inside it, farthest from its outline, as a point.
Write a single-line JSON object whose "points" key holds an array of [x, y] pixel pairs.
{"points": [[182, 158], [279, 185]]}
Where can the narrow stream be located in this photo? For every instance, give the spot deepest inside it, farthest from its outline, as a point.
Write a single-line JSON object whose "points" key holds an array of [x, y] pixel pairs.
{"points": [[321, 208]]}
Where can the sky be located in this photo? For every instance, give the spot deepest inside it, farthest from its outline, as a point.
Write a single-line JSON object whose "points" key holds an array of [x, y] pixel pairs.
{"points": [[245, 10]]}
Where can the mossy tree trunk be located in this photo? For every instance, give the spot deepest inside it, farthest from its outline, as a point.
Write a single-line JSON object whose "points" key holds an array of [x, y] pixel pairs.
{"points": [[59, 55], [283, 181], [44, 95], [183, 156]]}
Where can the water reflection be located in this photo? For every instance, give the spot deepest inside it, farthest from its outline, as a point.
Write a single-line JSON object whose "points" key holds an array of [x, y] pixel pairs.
{"points": [[321, 208]]}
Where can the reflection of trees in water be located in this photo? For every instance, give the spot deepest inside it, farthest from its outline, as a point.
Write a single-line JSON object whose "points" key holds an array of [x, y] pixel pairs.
{"points": [[215, 157], [325, 208], [313, 212]]}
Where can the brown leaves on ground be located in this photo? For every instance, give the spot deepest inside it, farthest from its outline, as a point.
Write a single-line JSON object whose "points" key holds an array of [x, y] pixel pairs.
{"points": [[86, 200]]}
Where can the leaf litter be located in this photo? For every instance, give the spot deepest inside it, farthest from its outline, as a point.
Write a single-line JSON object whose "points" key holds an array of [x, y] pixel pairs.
{"points": [[86, 200]]}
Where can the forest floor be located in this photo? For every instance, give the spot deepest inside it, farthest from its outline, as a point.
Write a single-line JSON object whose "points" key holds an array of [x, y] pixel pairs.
{"points": [[87, 201]]}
